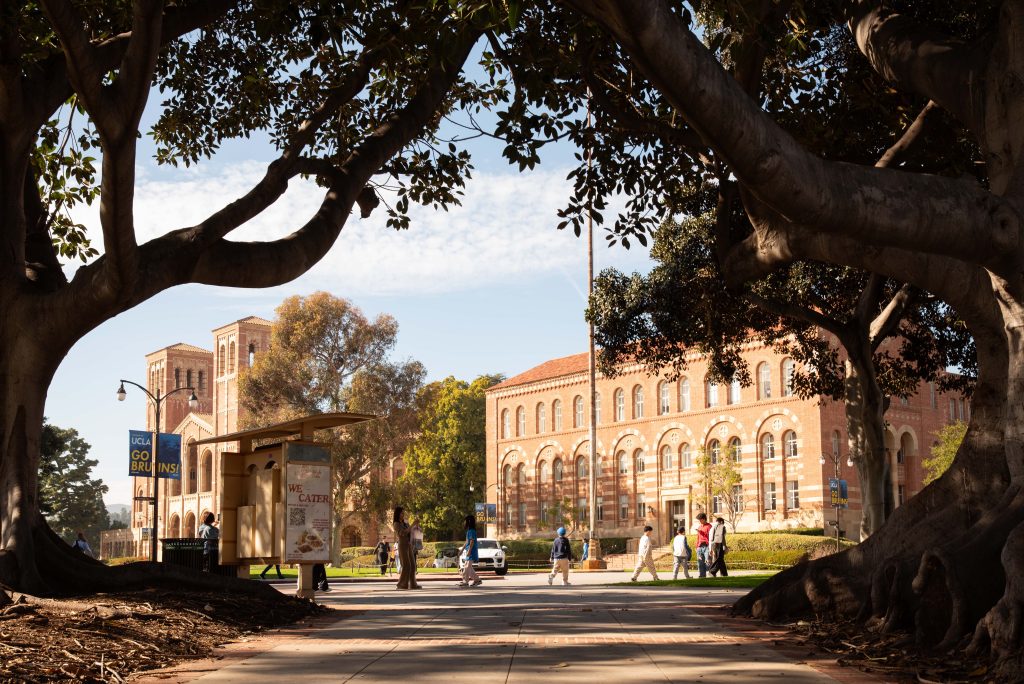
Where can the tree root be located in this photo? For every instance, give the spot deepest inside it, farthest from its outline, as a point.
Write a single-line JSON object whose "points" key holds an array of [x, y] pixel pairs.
{"points": [[1001, 630]]}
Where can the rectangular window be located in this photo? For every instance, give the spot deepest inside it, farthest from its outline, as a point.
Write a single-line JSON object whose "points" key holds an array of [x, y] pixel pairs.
{"points": [[737, 498], [952, 410], [934, 399], [558, 416], [600, 509], [583, 508], [904, 401], [901, 494], [769, 496], [624, 506], [522, 514], [641, 506], [686, 460], [202, 381], [188, 378], [663, 396], [177, 378], [961, 404], [544, 506], [716, 504], [792, 494]]}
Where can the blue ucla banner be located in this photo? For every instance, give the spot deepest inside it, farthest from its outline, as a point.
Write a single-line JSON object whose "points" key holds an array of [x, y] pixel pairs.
{"points": [[170, 456], [140, 454]]}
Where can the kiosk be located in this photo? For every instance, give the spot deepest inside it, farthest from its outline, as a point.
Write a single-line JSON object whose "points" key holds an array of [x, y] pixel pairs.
{"points": [[275, 499]]}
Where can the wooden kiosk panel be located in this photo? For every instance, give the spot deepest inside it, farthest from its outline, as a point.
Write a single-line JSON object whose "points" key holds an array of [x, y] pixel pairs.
{"points": [[275, 500]]}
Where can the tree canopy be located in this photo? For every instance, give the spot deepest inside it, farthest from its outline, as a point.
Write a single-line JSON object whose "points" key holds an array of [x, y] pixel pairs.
{"points": [[70, 497]]}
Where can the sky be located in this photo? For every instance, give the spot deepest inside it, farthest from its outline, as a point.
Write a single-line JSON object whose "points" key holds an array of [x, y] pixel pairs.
{"points": [[488, 287]]}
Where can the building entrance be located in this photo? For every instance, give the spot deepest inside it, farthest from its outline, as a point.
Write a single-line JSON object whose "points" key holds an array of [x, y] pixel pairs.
{"points": [[676, 516]]}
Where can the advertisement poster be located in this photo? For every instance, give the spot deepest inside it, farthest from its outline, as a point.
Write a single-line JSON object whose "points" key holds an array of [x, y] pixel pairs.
{"points": [[169, 456], [140, 453], [309, 513]]}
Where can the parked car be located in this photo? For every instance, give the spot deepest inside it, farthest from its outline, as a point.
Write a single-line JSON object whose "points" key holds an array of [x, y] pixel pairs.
{"points": [[447, 557], [492, 556]]}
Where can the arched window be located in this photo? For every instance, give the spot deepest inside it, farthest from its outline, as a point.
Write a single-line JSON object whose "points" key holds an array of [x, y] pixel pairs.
{"points": [[664, 398], [623, 463], [507, 478], [521, 477], [206, 472], [542, 472], [577, 412], [764, 381], [222, 357], [231, 357], [714, 450], [542, 418], [188, 378], [684, 395], [666, 457], [638, 402], [556, 414], [685, 457], [767, 446], [174, 528], [190, 525], [506, 424], [520, 421], [620, 405], [252, 354], [789, 442], [202, 381], [190, 473], [597, 408], [638, 458], [581, 467], [835, 443], [600, 466], [177, 378], [736, 449], [788, 369], [558, 470], [734, 391], [711, 392]]}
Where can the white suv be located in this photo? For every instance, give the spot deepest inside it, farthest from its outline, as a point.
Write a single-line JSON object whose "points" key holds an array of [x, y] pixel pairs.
{"points": [[492, 556]]}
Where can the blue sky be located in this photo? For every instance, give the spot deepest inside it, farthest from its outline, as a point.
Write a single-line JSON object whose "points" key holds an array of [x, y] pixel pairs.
{"points": [[489, 287]]}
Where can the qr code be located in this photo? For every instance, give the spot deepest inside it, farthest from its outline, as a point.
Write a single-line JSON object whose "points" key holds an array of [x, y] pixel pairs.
{"points": [[297, 517]]}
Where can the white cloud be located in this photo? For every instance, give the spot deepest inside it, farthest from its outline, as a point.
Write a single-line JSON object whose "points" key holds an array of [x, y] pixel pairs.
{"points": [[504, 231]]}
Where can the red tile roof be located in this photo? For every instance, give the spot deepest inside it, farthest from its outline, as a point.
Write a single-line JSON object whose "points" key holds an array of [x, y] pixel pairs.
{"points": [[555, 368]]}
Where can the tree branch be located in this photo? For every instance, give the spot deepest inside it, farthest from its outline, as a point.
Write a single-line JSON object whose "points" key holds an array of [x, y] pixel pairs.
{"points": [[886, 323], [882, 207], [794, 311], [922, 61], [870, 298]]}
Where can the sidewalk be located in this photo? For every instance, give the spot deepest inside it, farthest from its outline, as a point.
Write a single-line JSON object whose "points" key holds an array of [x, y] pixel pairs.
{"points": [[516, 630]]}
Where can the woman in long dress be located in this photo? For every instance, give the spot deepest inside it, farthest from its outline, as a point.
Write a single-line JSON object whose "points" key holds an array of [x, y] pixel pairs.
{"points": [[406, 554]]}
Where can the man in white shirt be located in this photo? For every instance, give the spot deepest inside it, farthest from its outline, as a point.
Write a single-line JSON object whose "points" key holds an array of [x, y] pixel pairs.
{"points": [[681, 553], [711, 542], [645, 555]]}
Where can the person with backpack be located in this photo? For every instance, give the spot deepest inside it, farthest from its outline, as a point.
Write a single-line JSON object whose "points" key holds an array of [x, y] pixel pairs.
{"points": [[681, 553], [83, 546], [382, 554], [561, 556]]}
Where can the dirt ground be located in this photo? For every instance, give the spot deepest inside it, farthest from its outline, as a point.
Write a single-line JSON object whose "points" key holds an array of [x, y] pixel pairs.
{"points": [[109, 637]]}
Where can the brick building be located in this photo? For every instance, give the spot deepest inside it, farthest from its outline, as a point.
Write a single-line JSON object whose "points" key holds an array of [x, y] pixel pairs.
{"points": [[650, 432], [214, 375]]}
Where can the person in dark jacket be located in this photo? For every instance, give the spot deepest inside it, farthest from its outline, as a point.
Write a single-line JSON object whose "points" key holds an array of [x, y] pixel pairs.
{"points": [[561, 556], [719, 549]]}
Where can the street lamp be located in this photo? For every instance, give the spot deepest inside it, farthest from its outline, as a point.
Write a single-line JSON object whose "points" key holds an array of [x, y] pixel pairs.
{"points": [[835, 460], [157, 399]]}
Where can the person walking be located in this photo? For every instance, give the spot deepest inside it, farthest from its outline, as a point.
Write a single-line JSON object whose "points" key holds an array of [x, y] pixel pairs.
{"points": [[645, 555], [211, 545], [382, 555], [586, 550], [406, 554], [561, 556], [83, 546], [471, 552], [681, 553], [719, 549], [263, 575], [702, 543], [320, 578], [711, 546]]}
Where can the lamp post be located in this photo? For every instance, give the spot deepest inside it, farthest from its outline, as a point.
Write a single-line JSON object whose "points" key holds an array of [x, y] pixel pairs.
{"points": [[836, 460], [157, 399]]}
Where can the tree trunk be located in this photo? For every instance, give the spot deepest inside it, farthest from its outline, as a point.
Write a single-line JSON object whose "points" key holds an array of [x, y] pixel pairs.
{"points": [[865, 407]]}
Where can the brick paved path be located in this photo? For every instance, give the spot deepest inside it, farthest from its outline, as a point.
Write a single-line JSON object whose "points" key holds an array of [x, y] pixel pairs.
{"points": [[519, 630]]}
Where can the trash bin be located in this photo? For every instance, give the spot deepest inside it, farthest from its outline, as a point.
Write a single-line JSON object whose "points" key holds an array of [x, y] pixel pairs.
{"points": [[188, 553]]}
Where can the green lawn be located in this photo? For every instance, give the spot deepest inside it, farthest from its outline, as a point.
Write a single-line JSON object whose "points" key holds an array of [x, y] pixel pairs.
{"points": [[731, 582]]}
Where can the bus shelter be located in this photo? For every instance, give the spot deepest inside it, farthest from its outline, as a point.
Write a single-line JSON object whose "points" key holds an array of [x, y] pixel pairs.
{"points": [[275, 498]]}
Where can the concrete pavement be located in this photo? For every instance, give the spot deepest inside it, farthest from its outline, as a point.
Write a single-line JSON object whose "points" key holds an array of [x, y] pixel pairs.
{"points": [[518, 629]]}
